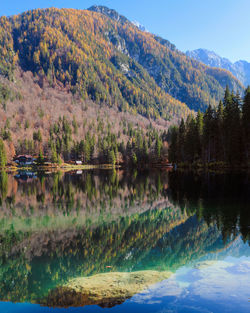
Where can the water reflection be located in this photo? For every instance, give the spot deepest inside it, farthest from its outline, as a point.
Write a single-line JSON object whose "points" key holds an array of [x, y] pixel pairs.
{"points": [[58, 226], [223, 198]]}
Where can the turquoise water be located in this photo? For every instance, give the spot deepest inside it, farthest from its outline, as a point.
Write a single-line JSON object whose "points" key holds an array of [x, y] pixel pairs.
{"points": [[56, 227]]}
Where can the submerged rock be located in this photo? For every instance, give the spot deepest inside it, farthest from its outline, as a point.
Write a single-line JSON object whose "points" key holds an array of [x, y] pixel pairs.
{"points": [[106, 289]]}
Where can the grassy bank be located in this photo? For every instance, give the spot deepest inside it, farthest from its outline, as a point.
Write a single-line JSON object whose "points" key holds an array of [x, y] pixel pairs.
{"points": [[64, 167]]}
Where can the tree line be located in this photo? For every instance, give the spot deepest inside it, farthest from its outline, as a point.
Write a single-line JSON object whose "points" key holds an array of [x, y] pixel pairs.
{"points": [[220, 134], [100, 144]]}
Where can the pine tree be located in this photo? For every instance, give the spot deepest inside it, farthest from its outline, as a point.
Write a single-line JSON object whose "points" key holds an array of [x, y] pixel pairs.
{"points": [[86, 151], [111, 157], [208, 133], [219, 129], [54, 157], [174, 146], [199, 133], [246, 124], [236, 143], [232, 128], [158, 147], [3, 156], [40, 160], [191, 140], [181, 144], [227, 97]]}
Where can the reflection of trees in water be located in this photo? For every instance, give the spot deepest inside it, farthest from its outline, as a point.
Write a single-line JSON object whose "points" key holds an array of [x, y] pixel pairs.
{"points": [[70, 192], [160, 239], [164, 237], [220, 198]]}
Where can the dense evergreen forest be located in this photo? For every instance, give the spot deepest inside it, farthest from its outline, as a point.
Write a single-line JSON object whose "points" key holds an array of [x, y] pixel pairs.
{"points": [[219, 135]]}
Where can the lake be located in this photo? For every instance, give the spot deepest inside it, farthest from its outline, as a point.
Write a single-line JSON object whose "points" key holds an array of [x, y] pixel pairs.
{"points": [[159, 241]]}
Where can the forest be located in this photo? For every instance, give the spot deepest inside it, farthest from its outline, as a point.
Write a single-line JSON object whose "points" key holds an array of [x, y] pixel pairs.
{"points": [[221, 135], [109, 62], [130, 145], [72, 61]]}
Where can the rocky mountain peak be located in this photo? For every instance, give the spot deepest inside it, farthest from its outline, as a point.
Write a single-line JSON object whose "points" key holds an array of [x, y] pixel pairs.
{"points": [[114, 15], [240, 69]]}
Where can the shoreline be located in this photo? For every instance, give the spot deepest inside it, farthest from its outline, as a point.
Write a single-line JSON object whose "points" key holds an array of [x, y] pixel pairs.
{"points": [[63, 167], [211, 166], [215, 166]]}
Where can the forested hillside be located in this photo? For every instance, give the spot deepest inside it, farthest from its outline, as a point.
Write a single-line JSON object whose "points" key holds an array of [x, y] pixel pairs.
{"points": [[109, 60], [75, 48], [182, 77], [85, 83]]}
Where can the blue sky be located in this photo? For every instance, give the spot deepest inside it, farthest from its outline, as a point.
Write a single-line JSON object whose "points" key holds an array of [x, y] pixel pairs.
{"points": [[219, 25]]}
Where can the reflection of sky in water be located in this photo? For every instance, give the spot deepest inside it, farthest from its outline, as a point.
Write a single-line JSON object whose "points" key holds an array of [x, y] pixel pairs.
{"points": [[208, 286], [211, 286]]}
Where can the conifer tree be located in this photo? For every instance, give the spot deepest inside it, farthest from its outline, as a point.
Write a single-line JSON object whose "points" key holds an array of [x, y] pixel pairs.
{"points": [[40, 159], [158, 147], [219, 129], [3, 156], [208, 133], [199, 133], [181, 144], [246, 124], [111, 157]]}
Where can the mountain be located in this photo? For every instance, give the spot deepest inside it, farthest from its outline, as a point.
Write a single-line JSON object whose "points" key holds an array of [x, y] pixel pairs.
{"points": [[66, 44], [189, 82], [66, 73], [140, 26], [240, 69]]}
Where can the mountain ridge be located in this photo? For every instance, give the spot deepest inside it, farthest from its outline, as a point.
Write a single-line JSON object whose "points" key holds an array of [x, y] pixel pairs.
{"points": [[162, 79], [240, 69], [115, 41]]}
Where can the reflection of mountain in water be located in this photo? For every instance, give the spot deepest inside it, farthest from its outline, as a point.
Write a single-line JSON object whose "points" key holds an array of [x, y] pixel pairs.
{"points": [[147, 233]]}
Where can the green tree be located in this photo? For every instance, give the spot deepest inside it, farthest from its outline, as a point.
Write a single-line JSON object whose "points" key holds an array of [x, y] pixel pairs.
{"points": [[54, 156], [219, 129], [181, 144], [246, 124], [174, 146], [199, 133], [86, 151], [208, 133], [3, 155], [111, 157], [158, 147], [40, 160]]}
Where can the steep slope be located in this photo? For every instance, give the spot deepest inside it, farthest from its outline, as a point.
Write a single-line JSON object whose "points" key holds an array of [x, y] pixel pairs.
{"points": [[105, 57], [240, 69], [188, 81], [78, 48]]}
